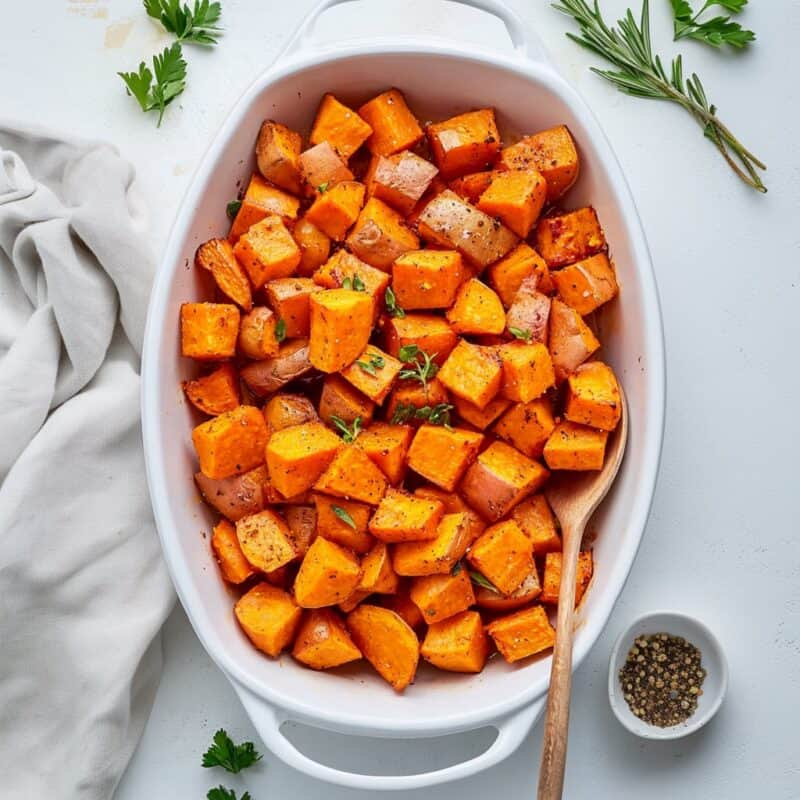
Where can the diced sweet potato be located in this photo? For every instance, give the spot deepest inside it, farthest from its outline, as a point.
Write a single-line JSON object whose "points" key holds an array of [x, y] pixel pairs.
{"points": [[340, 399], [387, 642], [403, 606], [216, 392], [343, 269], [536, 520], [387, 446], [423, 279], [566, 238], [400, 180], [442, 455], [453, 504], [472, 372], [437, 187], [377, 577], [322, 168], [234, 566], [401, 517], [465, 143], [302, 522], [328, 574], [451, 221], [523, 633], [477, 309], [344, 522], [341, 324], [373, 373], [380, 235], [267, 251], [441, 596], [529, 314], [517, 197], [266, 540], [503, 554], [527, 371], [231, 443], [499, 479], [297, 456], [523, 595], [315, 247], [457, 644], [430, 333], [278, 154], [472, 186], [339, 125], [439, 555], [481, 418], [274, 498], [551, 582], [593, 396], [527, 426], [507, 274], [410, 396], [269, 616], [209, 330], [216, 256], [257, 335], [260, 200], [394, 126], [269, 375], [569, 338], [323, 641], [237, 496], [587, 284], [288, 298], [335, 211], [354, 476], [575, 447], [552, 152]]}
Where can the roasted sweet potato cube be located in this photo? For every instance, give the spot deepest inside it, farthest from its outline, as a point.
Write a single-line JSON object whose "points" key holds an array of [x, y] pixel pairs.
{"points": [[593, 396], [340, 399], [466, 143], [569, 338], [481, 418], [552, 152], [439, 555], [377, 577], [335, 211], [297, 456], [437, 187], [507, 274], [381, 235], [503, 554], [457, 644], [394, 126], [430, 333], [527, 426], [551, 582], [472, 186], [323, 641], [400, 180], [216, 256], [354, 476], [527, 371], [423, 279], [209, 330], [271, 374], [499, 479], [409, 397], [340, 126], [302, 522], [453, 504], [566, 238], [517, 198], [231, 443], [528, 316], [387, 446], [237, 496], [401, 517], [328, 574], [341, 324], [235, 568], [523, 595], [587, 284], [373, 373], [216, 392], [267, 251], [523, 633], [258, 338], [269, 616], [387, 642], [343, 269], [575, 447], [274, 498], [289, 299], [278, 154], [403, 606], [536, 520], [442, 455], [260, 200], [477, 309], [472, 372], [441, 596], [344, 522], [315, 247], [322, 168], [266, 540]]}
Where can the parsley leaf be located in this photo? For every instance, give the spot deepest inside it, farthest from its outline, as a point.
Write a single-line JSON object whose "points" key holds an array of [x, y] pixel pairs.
{"points": [[232, 757], [221, 793], [323, 187], [232, 208], [375, 362], [344, 516], [348, 432], [479, 580], [280, 330], [197, 25], [390, 300], [521, 333], [715, 31], [170, 80]]}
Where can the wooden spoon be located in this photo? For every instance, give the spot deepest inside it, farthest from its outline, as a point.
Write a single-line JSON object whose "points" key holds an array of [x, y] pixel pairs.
{"points": [[573, 497]]}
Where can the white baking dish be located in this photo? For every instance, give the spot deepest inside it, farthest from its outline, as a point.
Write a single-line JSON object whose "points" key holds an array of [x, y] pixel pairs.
{"points": [[438, 78]]}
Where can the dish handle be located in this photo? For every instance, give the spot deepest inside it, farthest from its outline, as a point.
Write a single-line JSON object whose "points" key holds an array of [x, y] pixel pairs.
{"points": [[511, 730], [526, 43]]}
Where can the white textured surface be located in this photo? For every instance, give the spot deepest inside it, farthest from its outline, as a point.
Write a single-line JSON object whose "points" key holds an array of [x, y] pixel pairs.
{"points": [[722, 540]]}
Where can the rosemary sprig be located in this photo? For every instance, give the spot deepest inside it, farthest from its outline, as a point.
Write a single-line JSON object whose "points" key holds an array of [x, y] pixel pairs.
{"points": [[390, 300], [640, 72], [422, 371], [433, 415], [374, 363], [348, 432]]}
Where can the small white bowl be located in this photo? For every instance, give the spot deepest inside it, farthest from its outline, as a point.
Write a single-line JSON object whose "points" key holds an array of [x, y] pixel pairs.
{"points": [[714, 686]]}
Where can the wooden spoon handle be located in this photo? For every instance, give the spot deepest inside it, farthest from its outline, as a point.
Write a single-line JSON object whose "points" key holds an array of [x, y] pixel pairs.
{"points": [[556, 723]]}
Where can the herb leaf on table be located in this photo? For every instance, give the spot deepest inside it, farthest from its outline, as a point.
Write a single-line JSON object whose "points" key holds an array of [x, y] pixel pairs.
{"points": [[715, 31], [228, 755], [170, 80], [222, 793], [197, 25]]}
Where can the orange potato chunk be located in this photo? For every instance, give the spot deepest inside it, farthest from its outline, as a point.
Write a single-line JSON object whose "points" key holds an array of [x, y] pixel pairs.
{"points": [[236, 496], [481, 418], [289, 299], [523, 595], [477, 309], [322, 168], [284, 410], [570, 339], [453, 504], [472, 372], [472, 186], [271, 374], [387, 446], [297, 456], [315, 247], [442, 455], [517, 197], [340, 126], [260, 200], [401, 517], [341, 324], [231, 443], [377, 577], [380, 235], [527, 426], [507, 274], [587, 284], [566, 238], [465, 143], [439, 555], [266, 540], [551, 582], [302, 522], [424, 279], [216, 392], [340, 399], [267, 251], [527, 371], [503, 554], [278, 154], [344, 522], [344, 270], [269, 616], [354, 476], [441, 596], [373, 373], [328, 574], [209, 330], [257, 335], [323, 641], [575, 447], [402, 605], [335, 211], [457, 644], [431, 333], [536, 520], [528, 316], [235, 568], [394, 126], [400, 180], [523, 633], [593, 396], [216, 256]]}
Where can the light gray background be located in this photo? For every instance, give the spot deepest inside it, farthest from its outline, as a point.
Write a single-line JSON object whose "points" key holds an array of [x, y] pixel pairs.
{"points": [[722, 539]]}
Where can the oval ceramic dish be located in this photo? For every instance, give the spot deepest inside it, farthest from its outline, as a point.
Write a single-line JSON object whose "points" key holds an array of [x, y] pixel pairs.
{"points": [[437, 78]]}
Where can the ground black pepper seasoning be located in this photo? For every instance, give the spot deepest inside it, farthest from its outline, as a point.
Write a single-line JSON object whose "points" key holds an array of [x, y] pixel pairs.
{"points": [[662, 679]]}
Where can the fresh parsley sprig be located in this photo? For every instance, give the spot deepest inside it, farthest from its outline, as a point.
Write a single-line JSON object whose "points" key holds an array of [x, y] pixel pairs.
{"points": [[349, 433], [170, 80], [523, 334], [715, 31], [232, 757], [433, 415], [223, 793], [197, 25], [390, 300], [374, 363], [420, 370], [640, 72]]}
